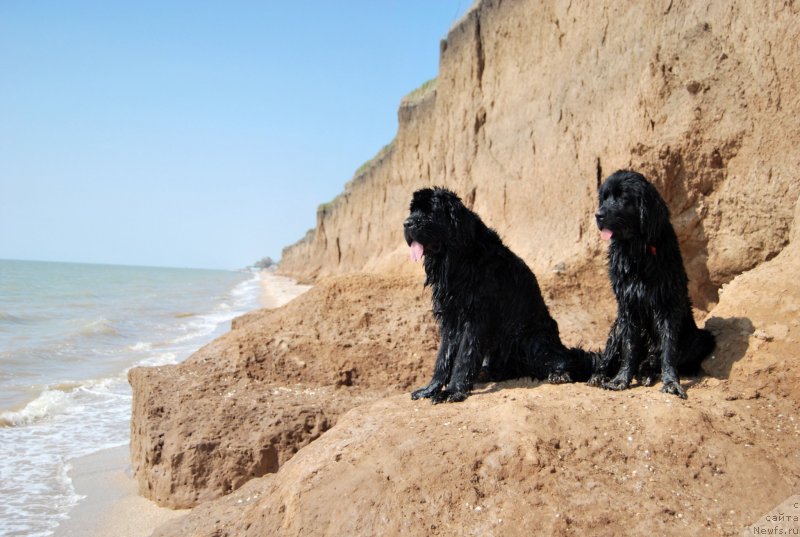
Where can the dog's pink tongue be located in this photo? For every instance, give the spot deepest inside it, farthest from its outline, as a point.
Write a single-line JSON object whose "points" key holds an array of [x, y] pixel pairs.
{"points": [[416, 251], [605, 234]]}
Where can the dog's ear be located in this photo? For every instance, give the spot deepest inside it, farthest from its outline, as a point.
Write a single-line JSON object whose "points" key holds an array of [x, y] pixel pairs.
{"points": [[461, 218], [465, 224], [421, 200], [653, 214]]}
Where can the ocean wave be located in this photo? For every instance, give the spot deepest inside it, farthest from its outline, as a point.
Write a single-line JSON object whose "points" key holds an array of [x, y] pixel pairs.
{"points": [[246, 290], [204, 326], [7, 317], [242, 298], [99, 327], [164, 358], [50, 402], [66, 386], [96, 336], [57, 399], [197, 327], [10, 318]]}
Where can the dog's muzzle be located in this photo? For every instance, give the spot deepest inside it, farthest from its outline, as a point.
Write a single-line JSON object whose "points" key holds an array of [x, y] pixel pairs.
{"points": [[600, 217]]}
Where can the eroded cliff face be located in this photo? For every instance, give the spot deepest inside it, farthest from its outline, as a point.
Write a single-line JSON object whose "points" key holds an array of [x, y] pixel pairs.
{"points": [[518, 462], [536, 102], [244, 404], [516, 458]]}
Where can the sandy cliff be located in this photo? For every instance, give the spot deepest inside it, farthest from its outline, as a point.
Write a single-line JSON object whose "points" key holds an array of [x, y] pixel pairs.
{"points": [[522, 458], [535, 101], [244, 404], [298, 421], [521, 461]]}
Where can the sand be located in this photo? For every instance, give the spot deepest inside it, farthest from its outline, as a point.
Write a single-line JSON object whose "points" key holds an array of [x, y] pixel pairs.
{"points": [[111, 505], [278, 290]]}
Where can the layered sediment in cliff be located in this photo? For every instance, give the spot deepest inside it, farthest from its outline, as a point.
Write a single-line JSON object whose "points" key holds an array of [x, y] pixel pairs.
{"points": [[536, 103], [297, 410]]}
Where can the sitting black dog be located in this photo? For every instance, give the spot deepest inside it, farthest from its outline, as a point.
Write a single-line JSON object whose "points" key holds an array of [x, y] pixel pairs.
{"points": [[487, 302], [654, 331]]}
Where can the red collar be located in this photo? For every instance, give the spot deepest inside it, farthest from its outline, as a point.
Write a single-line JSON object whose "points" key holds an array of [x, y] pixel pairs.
{"points": [[651, 249]]}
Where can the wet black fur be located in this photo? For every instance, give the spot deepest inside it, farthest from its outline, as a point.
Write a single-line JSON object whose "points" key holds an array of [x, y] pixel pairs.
{"points": [[654, 331], [487, 303]]}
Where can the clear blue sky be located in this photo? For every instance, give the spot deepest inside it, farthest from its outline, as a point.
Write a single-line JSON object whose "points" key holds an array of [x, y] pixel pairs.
{"points": [[195, 133]]}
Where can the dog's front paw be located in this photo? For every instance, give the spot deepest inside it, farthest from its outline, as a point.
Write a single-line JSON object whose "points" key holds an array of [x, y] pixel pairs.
{"points": [[674, 387], [561, 377], [616, 385], [446, 396], [597, 380], [428, 391]]}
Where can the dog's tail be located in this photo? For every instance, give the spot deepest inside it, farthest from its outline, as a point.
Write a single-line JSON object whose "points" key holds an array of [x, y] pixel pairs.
{"points": [[582, 364], [702, 345]]}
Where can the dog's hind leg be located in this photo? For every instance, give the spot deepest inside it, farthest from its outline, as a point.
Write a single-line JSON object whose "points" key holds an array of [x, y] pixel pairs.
{"points": [[485, 373], [581, 364], [442, 368], [693, 349], [557, 360]]}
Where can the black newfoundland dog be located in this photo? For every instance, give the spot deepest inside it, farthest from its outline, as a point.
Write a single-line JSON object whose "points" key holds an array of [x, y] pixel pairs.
{"points": [[654, 331], [492, 317]]}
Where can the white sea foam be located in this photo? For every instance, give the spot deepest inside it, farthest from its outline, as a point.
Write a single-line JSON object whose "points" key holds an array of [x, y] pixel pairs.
{"points": [[46, 405], [162, 358], [66, 419], [143, 346]]}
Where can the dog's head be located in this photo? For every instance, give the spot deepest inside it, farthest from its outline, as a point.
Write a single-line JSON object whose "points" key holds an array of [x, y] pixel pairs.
{"points": [[631, 208], [438, 221]]}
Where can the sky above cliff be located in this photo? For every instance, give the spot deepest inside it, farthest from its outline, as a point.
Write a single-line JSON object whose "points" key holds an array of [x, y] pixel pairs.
{"points": [[195, 133]]}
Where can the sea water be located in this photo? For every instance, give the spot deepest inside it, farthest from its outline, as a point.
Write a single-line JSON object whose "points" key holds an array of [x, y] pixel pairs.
{"points": [[69, 333]]}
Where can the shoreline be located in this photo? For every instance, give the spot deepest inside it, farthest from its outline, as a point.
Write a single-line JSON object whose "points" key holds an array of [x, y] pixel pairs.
{"points": [[110, 504], [278, 290]]}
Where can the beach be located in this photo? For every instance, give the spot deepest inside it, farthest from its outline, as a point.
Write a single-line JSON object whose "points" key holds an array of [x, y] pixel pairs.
{"points": [[277, 290], [110, 505]]}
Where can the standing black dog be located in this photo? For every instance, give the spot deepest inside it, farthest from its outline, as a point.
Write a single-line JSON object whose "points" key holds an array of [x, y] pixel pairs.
{"points": [[654, 331], [486, 300]]}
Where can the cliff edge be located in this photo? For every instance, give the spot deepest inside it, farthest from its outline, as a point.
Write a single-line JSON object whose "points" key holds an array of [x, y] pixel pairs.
{"points": [[536, 102]]}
